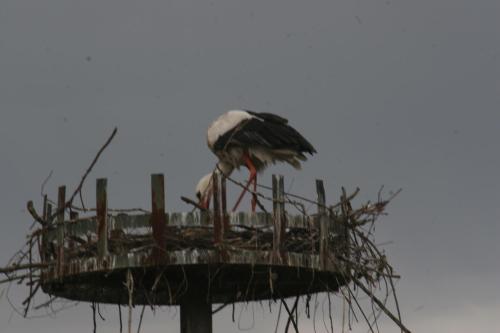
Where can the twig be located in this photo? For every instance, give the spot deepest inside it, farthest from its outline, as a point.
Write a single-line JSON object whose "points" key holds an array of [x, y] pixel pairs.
{"points": [[382, 306], [79, 187], [290, 316], [42, 187], [33, 213], [130, 288], [15, 267], [120, 317], [194, 203], [92, 305], [140, 319]]}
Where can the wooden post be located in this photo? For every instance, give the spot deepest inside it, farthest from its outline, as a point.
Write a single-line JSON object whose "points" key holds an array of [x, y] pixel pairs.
{"points": [[45, 245], [72, 216], [218, 223], [61, 203], [196, 314], [158, 216], [278, 214], [225, 217], [102, 217], [323, 224]]}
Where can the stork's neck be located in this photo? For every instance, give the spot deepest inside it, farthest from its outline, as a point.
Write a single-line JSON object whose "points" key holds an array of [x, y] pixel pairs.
{"points": [[225, 168]]}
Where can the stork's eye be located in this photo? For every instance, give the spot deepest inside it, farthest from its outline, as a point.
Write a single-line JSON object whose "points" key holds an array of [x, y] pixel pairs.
{"points": [[198, 195]]}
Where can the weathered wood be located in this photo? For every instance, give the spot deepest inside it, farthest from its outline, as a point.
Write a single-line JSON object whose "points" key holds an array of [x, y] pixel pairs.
{"points": [[218, 224], [158, 217], [279, 215], [323, 224], [102, 217], [72, 216], [45, 236], [223, 192], [44, 210], [43, 243], [283, 221], [61, 203]]}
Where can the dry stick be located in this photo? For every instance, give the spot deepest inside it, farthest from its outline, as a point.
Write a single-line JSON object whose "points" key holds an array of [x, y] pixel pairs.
{"points": [[92, 305], [290, 316], [120, 317], [278, 320], [39, 306], [115, 210], [382, 306], [31, 294], [194, 203], [350, 197], [330, 310], [45, 182], [374, 248], [130, 288], [33, 213], [78, 189], [17, 277], [360, 309], [140, 319], [16, 267]]}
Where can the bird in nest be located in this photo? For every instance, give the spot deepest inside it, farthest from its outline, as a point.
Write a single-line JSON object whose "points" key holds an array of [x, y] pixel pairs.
{"points": [[254, 140]]}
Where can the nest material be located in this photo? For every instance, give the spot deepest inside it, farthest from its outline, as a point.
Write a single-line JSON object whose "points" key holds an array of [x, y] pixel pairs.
{"points": [[368, 268]]}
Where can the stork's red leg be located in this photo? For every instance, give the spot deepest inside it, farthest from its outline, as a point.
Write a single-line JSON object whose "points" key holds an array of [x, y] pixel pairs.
{"points": [[252, 177]]}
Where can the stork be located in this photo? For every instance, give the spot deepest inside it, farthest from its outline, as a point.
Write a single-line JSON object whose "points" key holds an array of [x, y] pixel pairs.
{"points": [[251, 139]]}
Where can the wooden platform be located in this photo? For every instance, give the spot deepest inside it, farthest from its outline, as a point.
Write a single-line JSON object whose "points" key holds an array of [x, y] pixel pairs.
{"points": [[226, 257]]}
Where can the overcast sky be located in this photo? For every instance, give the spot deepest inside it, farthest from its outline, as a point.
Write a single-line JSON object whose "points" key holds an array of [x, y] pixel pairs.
{"points": [[404, 94]]}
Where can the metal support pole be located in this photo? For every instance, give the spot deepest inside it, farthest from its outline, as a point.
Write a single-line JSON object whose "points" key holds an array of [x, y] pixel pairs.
{"points": [[196, 314]]}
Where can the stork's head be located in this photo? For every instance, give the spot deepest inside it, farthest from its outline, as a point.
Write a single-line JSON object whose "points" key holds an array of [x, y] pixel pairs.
{"points": [[204, 190]]}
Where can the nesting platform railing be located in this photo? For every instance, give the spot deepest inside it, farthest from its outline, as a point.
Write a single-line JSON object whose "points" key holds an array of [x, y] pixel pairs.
{"points": [[226, 256]]}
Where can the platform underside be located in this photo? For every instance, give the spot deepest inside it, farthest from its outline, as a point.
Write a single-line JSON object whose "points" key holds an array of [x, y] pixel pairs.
{"points": [[166, 285]]}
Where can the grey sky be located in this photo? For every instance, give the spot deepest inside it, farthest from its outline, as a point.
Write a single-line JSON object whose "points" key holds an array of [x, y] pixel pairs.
{"points": [[395, 93]]}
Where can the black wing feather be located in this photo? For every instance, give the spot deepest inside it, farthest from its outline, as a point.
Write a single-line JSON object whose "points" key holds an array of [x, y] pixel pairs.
{"points": [[266, 130], [271, 117]]}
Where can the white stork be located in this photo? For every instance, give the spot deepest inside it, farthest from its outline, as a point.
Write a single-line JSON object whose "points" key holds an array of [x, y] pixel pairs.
{"points": [[241, 137]]}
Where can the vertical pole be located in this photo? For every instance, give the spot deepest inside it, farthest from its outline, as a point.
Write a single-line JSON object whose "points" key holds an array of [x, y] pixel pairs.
{"points": [[278, 214], [343, 230], [158, 216], [43, 242], [72, 216], [225, 217], [323, 224], [196, 314], [281, 192], [61, 203], [45, 245], [218, 228], [102, 217]]}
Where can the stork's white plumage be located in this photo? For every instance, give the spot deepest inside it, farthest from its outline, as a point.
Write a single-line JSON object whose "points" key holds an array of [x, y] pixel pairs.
{"points": [[241, 137]]}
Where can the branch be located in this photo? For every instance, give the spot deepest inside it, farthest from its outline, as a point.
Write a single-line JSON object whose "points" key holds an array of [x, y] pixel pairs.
{"points": [[34, 214], [382, 306], [194, 203], [14, 268], [79, 188]]}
